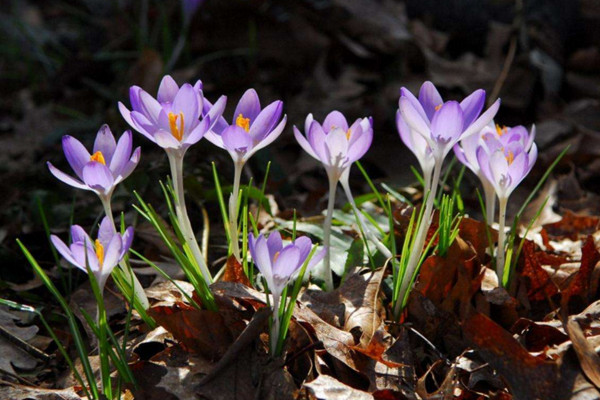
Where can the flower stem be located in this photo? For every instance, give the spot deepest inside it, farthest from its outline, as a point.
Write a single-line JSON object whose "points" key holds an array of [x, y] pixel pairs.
{"points": [[176, 164], [421, 235], [501, 238], [364, 225], [274, 337], [327, 232], [127, 271], [233, 210], [490, 202]]}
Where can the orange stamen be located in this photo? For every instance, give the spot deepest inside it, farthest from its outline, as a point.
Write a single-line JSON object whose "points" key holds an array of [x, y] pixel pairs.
{"points": [[176, 131], [348, 134], [98, 157], [99, 251], [437, 108], [501, 130], [510, 157], [242, 122]]}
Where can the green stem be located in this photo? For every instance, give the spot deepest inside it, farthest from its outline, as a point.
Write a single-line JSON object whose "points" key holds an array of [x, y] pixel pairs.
{"points": [[490, 202], [365, 227], [176, 164], [233, 210], [501, 238], [129, 275], [327, 232], [274, 339], [421, 235]]}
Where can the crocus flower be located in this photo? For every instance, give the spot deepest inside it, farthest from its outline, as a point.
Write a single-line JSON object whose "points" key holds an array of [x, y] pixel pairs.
{"points": [[252, 127], [334, 143], [505, 165], [110, 162], [101, 255], [443, 124], [278, 265], [172, 120], [418, 146]]}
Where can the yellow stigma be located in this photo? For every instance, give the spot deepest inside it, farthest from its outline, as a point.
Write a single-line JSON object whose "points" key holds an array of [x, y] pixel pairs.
{"points": [[99, 252], [437, 108], [176, 131], [98, 157], [510, 157], [242, 122], [501, 130], [348, 134]]}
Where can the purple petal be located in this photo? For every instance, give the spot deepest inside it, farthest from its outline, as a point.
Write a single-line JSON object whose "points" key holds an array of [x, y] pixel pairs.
{"points": [[122, 153], [63, 249], [482, 121], [472, 106], [447, 124], [337, 144], [106, 231], [97, 176], [248, 106], [287, 262], [304, 143], [316, 258], [215, 112], [271, 136], [304, 244], [335, 119], [78, 234], [215, 139], [413, 118], [127, 240], [316, 138], [483, 160], [198, 132], [186, 102], [360, 146], [126, 114], [261, 258], [308, 122], [274, 243], [167, 90], [76, 154], [404, 92], [134, 98], [130, 166], [105, 143], [143, 125], [430, 98], [82, 253], [165, 140], [266, 120], [236, 139], [61, 176], [112, 253], [149, 107]]}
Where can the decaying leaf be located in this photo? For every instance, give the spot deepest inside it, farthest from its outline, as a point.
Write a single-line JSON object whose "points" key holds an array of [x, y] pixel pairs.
{"points": [[327, 388], [540, 286], [11, 391], [588, 358], [234, 272], [11, 355]]}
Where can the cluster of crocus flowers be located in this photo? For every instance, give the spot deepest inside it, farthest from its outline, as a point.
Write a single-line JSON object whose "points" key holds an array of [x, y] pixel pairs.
{"points": [[100, 171], [174, 120], [337, 145], [431, 127], [100, 255], [252, 128], [280, 264]]}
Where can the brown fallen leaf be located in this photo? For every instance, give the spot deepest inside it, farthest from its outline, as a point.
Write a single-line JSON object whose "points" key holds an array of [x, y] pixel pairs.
{"points": [[13, 356], [327, 388], [588, 358], [201, 331], [580, 284], [573, 226], [377, 348], [234, 272], [539, 285], [11, 391]]}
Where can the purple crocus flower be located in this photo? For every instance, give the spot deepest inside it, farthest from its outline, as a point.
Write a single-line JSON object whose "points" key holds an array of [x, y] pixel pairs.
{"points": [[252, 127], [110, 162], [172, 120], [279, 264], [101, 255], [443, 124], [505, 165], [336, 144], [419, 147]]}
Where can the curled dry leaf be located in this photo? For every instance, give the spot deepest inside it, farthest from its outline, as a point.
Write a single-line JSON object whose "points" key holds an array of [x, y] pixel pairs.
{"points": [[540, 286], [588, 358], [573, 226], [327, 388], [234, 272], [580, 285]]}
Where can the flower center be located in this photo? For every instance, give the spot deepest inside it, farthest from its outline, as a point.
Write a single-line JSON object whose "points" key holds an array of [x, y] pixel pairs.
{"points": [[98, 157], [501, 130], [176, 131], [242, 122], [99, 252], [510, 157]]}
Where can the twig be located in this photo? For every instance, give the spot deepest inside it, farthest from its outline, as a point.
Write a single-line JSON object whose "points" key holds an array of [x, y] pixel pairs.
{"points": [[23, 345]]}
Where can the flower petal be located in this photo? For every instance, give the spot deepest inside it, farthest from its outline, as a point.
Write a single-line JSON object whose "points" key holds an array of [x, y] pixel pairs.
{"points": [[335, 119], [430, 98], [236, 139], [112, 254], [265, 121], [248, 106], [97, 176], [447, 124], [64, 250], [165, 140], [482, 121], [105, 143], [271, 136], [360, 146], [215, 112], [122, 153], [413, 118], [472, 106], [149, 107], [167, 90], [304, 143], [304, 244], [76, 154], [274, 243], [287, 262], [106, 231], [61, 176], [186, 102]]}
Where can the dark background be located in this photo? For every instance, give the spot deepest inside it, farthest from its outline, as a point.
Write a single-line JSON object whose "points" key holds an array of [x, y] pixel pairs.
{"points": [[65, 65]]}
